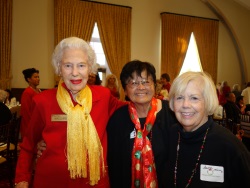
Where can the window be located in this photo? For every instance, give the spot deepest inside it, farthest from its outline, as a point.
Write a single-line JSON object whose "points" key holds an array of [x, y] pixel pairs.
{"points": [[192, 60], [100, 56]]}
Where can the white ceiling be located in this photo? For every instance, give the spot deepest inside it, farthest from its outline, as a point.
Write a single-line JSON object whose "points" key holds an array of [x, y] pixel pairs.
{"points": [[245, 3]]}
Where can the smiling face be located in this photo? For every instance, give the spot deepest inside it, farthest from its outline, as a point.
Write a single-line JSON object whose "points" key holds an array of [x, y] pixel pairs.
{"points": [[140, 94], [189, 107], [74, 69]]}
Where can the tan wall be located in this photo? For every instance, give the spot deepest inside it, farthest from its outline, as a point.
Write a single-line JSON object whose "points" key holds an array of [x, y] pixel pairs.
{"points": [[32, 43]]}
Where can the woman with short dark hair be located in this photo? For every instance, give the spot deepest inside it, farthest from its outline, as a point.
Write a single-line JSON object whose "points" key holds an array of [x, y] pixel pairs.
{"points": [[138, 132], [31, 76]]}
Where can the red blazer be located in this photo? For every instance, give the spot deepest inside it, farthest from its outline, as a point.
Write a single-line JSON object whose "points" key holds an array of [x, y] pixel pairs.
{"points": [[51, 168]]}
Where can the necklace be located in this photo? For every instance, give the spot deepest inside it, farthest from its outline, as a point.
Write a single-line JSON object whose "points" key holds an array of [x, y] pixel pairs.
{"points": [[197, 161]]}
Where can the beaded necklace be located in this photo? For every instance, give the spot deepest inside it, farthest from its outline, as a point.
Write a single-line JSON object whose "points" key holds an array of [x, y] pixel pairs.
{"points": [[197, 161]]}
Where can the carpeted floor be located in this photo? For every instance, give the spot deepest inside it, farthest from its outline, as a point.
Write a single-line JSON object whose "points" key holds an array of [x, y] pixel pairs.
{"points": [[4, 180], [4, 184]]}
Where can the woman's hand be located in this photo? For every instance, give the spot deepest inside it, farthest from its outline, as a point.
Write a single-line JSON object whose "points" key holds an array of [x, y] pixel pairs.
{"points": [[41, 146], [22, 184]]}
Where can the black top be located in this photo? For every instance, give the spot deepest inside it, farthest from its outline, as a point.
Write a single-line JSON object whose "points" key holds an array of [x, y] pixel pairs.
{"points": [[120, 144], [221, 149], [232, 111], [5, 114]]}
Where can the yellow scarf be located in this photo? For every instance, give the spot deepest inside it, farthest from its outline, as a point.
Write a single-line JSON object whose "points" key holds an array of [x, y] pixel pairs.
{"points": [[83, 143]]}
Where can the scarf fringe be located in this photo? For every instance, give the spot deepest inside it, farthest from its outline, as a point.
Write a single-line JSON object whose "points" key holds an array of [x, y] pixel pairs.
{"points": [[84, 148]]}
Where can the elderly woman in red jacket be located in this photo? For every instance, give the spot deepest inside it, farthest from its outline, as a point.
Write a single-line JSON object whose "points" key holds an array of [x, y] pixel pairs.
{"points": [[72, 120]]}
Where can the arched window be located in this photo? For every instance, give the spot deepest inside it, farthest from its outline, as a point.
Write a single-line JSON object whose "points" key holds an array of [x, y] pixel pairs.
{"points": [[192, 60], [100, 56]]}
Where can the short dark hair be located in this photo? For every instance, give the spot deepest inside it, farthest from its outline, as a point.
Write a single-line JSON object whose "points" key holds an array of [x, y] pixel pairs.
{"points": [[227, 95], [239, 98], [136, 66], [98, 81], [29, 72], [166, 76]]}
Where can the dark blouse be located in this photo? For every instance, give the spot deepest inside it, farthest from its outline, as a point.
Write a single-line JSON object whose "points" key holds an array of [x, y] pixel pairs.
{"points": [[221, 150], [121, 140]]}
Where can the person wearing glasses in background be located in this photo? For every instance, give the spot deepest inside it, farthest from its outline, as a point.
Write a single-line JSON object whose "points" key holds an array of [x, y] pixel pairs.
{"points": [[94, 78], [138, 132]]}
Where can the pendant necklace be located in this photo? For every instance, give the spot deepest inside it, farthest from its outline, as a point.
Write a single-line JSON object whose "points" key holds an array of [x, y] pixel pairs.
{"points": [[197, 161]]}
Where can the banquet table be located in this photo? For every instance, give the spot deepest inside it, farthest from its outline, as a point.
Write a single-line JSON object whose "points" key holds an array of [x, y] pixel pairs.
{"points": [[15, 109]]}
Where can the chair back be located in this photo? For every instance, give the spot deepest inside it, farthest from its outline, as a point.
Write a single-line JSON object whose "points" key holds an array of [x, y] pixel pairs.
{"points": [[5, 153], [245, 125], [4, 138], [14, 136]]}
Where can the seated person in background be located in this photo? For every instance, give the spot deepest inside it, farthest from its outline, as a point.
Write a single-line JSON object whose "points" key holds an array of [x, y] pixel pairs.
{"points": [[165, 81], [240, 104], [231, 109], [9, 97], [236, 90], [247, 110], [94, 79], [158, 87], [5, 113], [112, 84]]}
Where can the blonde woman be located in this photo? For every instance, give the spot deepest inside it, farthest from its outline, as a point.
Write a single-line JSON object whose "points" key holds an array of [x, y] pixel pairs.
{"points": [[202, 153], [112, 84]]}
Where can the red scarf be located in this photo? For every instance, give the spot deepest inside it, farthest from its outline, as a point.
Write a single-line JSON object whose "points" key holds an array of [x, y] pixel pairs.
{"points": [[143, 166]]}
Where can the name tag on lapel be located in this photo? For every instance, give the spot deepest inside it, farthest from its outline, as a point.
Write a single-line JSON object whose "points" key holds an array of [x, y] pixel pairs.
{"points": [[58, 117]]}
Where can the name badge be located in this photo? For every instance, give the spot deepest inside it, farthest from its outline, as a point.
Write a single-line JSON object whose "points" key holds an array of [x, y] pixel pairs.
{"points": [[58, 117], [133, 134], [212, 173]]}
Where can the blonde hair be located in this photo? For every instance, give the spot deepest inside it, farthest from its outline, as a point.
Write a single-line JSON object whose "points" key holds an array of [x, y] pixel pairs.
{"points": [[236, 87], [116, 81], [209, 90], [73, 43]]}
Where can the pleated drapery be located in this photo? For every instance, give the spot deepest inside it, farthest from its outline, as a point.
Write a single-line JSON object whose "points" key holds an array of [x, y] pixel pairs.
{"points": [[77, 18], [5, 43], [176, 32]]}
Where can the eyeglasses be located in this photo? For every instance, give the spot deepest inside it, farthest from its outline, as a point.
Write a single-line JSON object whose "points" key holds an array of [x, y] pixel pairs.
{"points": [[134, 84]]}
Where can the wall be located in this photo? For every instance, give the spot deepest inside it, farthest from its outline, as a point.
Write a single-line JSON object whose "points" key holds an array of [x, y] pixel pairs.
{"points": [[32, 43]]}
